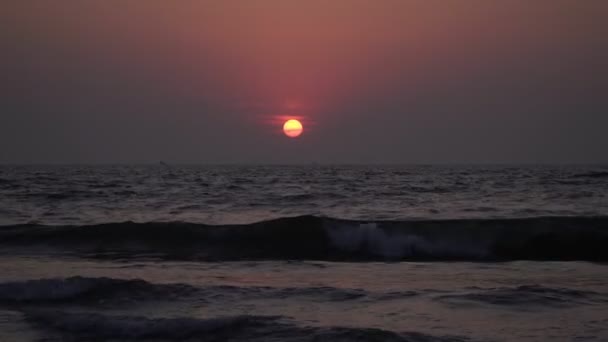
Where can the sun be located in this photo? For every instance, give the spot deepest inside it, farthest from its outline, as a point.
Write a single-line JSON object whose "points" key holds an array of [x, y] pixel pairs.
{"points": [[292, 128]]}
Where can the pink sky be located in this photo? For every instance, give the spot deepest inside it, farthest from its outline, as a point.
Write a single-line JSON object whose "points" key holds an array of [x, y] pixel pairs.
{"points": [[329, 62]]}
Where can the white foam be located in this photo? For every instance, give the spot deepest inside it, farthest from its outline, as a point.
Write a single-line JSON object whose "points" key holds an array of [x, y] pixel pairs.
{"points": [[370, 238]]}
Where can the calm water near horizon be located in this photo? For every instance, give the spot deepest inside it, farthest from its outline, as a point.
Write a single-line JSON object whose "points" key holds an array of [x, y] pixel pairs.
{"points": [[247, 194]]}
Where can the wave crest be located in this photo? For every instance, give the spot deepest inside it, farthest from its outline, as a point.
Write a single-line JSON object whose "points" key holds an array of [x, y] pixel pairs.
{"points": [[316, 238]]}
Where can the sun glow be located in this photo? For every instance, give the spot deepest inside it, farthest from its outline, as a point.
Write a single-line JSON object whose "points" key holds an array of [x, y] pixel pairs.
{"points": [[292, 128]]}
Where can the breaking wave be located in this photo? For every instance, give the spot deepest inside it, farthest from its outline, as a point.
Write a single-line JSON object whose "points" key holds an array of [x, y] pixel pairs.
{"points": [[317, 238]]}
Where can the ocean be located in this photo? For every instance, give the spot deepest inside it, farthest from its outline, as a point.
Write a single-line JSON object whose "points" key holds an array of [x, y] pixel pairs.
{"points": [[303, 253]]}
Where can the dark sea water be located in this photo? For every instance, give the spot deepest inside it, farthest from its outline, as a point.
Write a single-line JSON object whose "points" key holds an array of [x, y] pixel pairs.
{"points": [[303, 253], [245, 194]]}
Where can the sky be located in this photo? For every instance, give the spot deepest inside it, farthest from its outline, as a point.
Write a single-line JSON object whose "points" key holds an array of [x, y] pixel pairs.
{"points": [[372, 81]]}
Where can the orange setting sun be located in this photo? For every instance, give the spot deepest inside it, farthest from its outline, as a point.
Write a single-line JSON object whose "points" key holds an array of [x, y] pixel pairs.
{"points": [[292, 128]]}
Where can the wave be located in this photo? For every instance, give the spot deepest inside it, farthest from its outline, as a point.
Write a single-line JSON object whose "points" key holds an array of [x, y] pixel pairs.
{"points": [[322, 293], [83, 289], [97, 326], [78, 289], [593, 174], [526, 295], [318, 238]]}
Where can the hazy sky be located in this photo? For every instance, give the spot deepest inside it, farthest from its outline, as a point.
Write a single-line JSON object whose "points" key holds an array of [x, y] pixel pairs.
{"points": [[383, 81]]}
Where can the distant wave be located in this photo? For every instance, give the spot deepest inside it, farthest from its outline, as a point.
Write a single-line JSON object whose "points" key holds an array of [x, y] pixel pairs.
{"points": [[317, 238], [236, 328], [526, 295]]}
